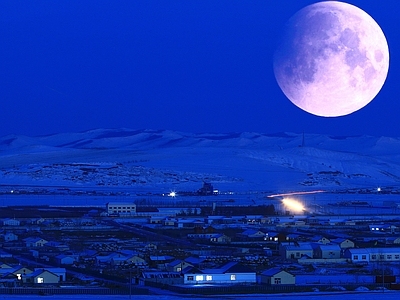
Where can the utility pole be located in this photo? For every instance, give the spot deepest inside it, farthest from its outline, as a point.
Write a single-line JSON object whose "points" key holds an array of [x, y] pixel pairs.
{"points": [[130, 284]]}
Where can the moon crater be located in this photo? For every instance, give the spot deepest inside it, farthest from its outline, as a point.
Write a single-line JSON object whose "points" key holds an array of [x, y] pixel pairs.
{"points": [[332, 60]]}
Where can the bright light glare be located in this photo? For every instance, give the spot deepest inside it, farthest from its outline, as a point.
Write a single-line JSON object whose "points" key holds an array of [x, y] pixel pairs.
{"points": [[172, 194], [293, 205]]}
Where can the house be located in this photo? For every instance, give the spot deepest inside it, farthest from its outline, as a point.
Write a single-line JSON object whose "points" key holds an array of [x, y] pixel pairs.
{"points": [[275, 276], [178, 265], [230, 273], [320, 240], [5, 266], [33, 242], [60, 272], [64, 259], [57, 246], [330, 251], [41, 276], [155, 220], [195, 261], [357, 255], [220, 238], [9, 237], [160, 261], [36, 221], [169, 222], [252, 234], [128, 260], [295, 250], [343, 243], [20, 272]]}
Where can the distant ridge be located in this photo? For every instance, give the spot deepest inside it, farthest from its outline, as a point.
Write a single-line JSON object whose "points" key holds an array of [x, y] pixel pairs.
{"points": [[249, 160]]}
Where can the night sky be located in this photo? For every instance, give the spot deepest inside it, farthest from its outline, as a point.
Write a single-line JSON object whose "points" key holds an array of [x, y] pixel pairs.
{"points": [[186, 65]]}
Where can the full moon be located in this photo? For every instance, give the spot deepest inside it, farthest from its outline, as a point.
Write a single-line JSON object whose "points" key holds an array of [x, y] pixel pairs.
{"points": [[332, 60]]}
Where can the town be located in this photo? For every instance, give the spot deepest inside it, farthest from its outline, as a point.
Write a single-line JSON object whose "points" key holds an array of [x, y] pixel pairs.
{"points": [[212, 248]]}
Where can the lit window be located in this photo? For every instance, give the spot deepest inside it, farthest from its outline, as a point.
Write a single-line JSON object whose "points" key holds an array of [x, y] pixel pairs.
{"points": [[233, 277], [208, 277], [19, 276], [178, 269], [199, 277], [40, 280]]}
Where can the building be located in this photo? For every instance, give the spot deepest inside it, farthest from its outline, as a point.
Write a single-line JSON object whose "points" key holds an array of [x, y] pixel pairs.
{"points": [[382, 228], [41, 276], [277, 276], [367, 255], [64, 259], [178, 265], [296, 250], [230, 273], [10, 222], [121, 208], [252, 234], [220, 238], [357, 255], [128, 260], [8, 237], [330, 251], [344, 243], [33, 242]]}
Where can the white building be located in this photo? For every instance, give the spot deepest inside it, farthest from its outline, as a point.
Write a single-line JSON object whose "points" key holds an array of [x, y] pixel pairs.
{"points": [[121, 208], [295, 250], [367, 255], [276, 276], [230, 273], [331, 251]]}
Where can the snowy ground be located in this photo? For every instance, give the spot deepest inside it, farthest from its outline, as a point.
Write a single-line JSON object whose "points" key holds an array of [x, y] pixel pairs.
{"points": [[387, 295], [159, 160]]}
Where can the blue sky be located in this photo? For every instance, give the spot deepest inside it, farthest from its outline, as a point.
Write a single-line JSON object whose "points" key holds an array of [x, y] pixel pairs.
{"points": [[192, 66]]}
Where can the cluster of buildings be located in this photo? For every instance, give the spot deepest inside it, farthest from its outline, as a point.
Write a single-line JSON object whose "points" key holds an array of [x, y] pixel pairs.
{"points": [[195, 250]]}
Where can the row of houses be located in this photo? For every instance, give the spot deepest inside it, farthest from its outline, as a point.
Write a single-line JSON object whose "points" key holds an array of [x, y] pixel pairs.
{"points": [[16, 275]]}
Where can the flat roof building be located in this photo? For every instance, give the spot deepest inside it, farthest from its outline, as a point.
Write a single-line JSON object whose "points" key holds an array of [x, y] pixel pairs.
{"points": [[121, 208]]}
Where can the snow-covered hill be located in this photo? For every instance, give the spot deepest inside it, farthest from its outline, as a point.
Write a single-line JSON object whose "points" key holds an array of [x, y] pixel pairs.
{"points": [[160, 159]]}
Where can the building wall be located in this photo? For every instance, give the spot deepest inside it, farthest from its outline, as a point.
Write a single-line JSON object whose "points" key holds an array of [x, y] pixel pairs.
{"points": [[227, 278], [279, 278], [124, 208], [296, 254]]}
